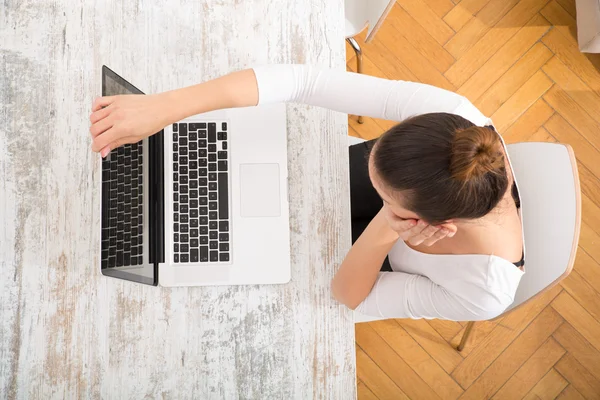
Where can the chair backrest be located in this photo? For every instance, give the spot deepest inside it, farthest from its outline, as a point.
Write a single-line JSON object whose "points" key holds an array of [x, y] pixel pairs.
{"points": [[548, 182], [362, 13]]}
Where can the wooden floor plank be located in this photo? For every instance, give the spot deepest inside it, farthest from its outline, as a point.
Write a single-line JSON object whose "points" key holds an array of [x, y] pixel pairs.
{"points": [[589, 241], [433, 343], [560, 18], [579, 347], [480, 332], [493, 40], [430, 21], [364, 393], [591, 212], [534, 369], [418, 65], [574, 114], [386, 60], [529, 122], [396, 368], [446, 329], [498, 92], [590, 184], [515, 355], [549, 387], [587, 267], [500, 338], [375, 379], [477, 27], [578, 316], [541, 135], [583, 292], [569, 6], [417, 358], [425, 44], [440, 7], [479, 83], [579, 377], [523, 98], [565, 48], [564, 132], [463, 12], [575, 87], [570, 393]]}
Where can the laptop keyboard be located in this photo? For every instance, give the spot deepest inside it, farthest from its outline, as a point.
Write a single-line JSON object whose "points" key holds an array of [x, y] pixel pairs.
{"points": [[201, 193], [122, 207]]}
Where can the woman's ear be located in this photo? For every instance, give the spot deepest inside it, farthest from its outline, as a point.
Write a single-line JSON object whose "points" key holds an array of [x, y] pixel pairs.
{"points": [[451, 226]]}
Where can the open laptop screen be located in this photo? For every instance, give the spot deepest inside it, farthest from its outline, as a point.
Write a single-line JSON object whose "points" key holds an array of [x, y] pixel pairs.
{"points": [[126, 204]]}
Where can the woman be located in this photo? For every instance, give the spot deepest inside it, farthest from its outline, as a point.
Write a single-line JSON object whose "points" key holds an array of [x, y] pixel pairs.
{"points": [[446, 242]]}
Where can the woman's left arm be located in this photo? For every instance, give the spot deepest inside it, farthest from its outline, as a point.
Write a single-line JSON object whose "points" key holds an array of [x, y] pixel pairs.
{"points": [[359, 270]]}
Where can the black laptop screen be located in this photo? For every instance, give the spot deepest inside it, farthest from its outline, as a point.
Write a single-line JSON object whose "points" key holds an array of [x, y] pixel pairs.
{"points": [[126, 204]]}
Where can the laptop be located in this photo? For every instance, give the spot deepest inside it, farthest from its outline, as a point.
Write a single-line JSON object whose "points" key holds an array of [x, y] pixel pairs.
{"points": [[203, 202]]}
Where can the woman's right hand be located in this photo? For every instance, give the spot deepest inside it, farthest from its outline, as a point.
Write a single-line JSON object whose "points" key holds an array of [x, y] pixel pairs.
{"points": [[118, 120], [414, 231]]}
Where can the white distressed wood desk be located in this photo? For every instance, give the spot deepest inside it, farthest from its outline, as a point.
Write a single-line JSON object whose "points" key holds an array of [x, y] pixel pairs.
{"points": [[66, 332]]}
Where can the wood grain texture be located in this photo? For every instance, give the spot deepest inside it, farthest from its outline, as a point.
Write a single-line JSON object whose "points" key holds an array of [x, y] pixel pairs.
{"points": [[548, 388], [417, 358], [68, 332]]}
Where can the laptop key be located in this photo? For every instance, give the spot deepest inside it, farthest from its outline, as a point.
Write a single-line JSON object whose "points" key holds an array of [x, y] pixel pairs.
{"points": [[224, 226], [194, 233], [194, 255], [223, 196], [212, 132], [204, 253], [194, 243], [185, 258], [176, 258], [222, 167], [224, 257], [214, 245], [214, 256]]}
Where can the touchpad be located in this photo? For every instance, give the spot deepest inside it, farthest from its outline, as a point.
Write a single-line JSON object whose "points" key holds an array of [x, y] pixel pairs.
{"points": [[260, 191]]}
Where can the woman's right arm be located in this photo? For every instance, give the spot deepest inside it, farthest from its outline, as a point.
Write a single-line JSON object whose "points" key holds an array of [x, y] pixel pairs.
{"points": [[128, 119]]}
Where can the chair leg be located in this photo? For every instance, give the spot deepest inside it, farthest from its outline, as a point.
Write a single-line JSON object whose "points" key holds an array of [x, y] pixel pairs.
{"points": [[465, 336], [359, 62]]}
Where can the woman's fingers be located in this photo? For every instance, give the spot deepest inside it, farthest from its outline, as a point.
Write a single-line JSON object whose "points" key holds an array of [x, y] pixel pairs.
{"points": [[100, 102], [101, 127], [115, 145], [100, 114], [103, 140], [425, 234], [439, 235]]}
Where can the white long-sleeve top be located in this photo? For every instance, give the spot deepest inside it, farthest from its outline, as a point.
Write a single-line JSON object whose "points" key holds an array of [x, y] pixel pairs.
{"points": [[455, 287]]}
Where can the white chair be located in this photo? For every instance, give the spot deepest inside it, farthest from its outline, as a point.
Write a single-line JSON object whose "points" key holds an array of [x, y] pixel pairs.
{"points": [[551, 201], [359, 15]]}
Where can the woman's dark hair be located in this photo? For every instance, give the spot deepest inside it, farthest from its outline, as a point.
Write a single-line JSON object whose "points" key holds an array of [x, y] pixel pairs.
{"points": [[445, 166]]}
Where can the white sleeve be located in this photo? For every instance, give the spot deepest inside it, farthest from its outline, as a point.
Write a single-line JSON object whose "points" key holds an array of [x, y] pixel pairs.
{"points": [[402, 295], [358, 94]]}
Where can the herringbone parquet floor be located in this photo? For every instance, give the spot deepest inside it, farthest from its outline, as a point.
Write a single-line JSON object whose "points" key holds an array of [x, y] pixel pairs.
{"points": [[518, 61]]}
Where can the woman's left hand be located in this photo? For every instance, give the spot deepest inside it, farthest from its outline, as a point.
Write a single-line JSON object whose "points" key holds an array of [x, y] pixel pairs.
{"points": [[416, 232]]}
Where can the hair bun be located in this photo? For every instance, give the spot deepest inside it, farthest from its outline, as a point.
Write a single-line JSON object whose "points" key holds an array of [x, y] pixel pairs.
{"points": [[476, 151]]}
